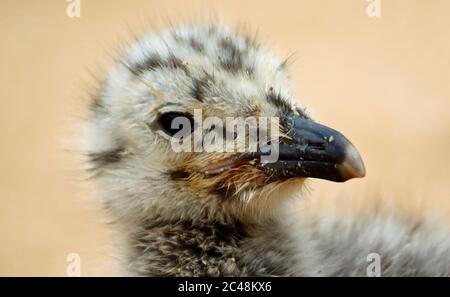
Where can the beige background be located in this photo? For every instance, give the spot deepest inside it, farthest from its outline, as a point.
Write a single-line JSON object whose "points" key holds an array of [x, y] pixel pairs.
{"points": [[383, 81]]}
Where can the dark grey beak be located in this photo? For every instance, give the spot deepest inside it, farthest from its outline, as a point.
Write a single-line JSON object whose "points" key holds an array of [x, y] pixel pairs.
{"points": [[317, 151]]}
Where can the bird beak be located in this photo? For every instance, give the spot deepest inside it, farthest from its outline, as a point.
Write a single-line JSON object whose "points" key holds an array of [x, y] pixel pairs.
{"points": [[316, 151]]}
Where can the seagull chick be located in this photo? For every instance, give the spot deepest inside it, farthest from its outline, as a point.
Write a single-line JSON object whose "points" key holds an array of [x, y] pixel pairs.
{"points": [[228, 213]]}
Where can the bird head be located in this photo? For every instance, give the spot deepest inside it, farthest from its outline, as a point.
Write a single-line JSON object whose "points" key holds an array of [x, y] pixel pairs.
{"points": [[199, 121]]}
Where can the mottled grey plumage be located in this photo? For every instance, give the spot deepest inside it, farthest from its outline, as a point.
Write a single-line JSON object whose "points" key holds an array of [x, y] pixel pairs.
{"points": [[178, 221]]}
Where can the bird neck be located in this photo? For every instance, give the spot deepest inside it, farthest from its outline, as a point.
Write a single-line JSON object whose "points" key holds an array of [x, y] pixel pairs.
{"points": [[203, 248]]}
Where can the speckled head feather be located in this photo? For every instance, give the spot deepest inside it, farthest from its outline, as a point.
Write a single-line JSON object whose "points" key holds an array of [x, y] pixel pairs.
{"points": [[207, 67]]}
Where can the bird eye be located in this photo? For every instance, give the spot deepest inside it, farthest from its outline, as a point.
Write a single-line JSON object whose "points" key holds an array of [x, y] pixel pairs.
{"points": [[176, 124]]}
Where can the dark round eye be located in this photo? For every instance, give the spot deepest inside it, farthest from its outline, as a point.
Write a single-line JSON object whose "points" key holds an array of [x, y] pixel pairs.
{"points": [[181, 124]]}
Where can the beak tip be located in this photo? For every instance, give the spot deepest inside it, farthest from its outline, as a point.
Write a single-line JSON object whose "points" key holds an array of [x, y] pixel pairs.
{"points": [[353, 165]]}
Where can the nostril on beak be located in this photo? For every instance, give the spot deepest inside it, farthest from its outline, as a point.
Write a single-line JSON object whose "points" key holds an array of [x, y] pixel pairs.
{"points": [[319, 145]]}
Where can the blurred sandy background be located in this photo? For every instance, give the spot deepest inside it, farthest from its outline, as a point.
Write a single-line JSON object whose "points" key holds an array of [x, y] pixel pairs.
{"points": [[384, 82]]}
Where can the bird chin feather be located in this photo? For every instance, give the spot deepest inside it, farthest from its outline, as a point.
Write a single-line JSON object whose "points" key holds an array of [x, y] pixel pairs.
{"points": [[237, 178]]}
